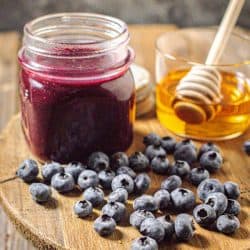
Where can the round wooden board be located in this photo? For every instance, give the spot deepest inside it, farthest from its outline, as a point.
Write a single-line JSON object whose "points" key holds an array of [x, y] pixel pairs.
{"points": [[54, 226]]}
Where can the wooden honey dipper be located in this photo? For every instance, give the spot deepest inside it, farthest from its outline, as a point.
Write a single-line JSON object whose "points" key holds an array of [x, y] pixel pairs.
{"points": [[200, 90]]}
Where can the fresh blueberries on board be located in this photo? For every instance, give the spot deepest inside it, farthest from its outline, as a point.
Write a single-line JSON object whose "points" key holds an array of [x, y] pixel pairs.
{"points": [[209, 146], [246, 147], [207, 187], [182, 199], [126, 170], [144, 243], [180, 168], [232, 190], [171, 183], [145, 202], [106, 177], [104, 225], [168, 143], [94, 195], [197, 175], [233, 207], [185, 142], [87, 178], [152, 139], [123, 181], [40, 192], [162, 199], [138, 162], [218, 201], [119, 159], [211, 161], [98, 161], [138, 216], [168, 225], [116, 210], [118, 195], [227, 223], [184, 227], [50, 169], [152, 151], [160, 164], [204, 215], [74, 168], [152, 228], [186, 153], [63, 182], [83, 208], [28, 170], [141, 183]]}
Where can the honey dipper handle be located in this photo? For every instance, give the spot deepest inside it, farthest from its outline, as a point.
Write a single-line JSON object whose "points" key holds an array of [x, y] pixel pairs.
{"points": [[227, 24]]}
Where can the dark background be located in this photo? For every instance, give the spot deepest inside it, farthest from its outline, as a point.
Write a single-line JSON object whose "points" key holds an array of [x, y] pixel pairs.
{"points": [[14, 13]]}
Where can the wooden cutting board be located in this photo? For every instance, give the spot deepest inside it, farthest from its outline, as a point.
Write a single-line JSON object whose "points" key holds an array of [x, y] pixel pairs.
{"points": [[54, 226]]}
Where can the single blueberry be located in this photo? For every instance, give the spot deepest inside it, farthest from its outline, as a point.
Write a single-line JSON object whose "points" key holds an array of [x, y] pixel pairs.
{"points": [[98, 161], [50, 169], [141, 183], [120, 195], [94, 195], [162, 199], [152, 139], [233, 207], [138, 161], [207, 187], [87, 178], [152, 228], [144, 243], [104, 225], [184, 227], [74, 168], [160, 164], [185, 142], [126, 170], [28, 170], [204, 215], [246, 147], [119, 159], [123, 181], [209, 146], [171, 183], [63, 182], [145, 202], [138, 216], [40, 192], [168, 225], [232, 190], [83, 208], [168, 143], [211, 161], [106, 177], [218, 201], [152, 151], [180, 168], [197, 175], [116, 210], [227, 224], [186, 153]]}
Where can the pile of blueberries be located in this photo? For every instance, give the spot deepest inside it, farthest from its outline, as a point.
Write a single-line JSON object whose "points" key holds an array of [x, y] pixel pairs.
{"points": [[123, 176]]}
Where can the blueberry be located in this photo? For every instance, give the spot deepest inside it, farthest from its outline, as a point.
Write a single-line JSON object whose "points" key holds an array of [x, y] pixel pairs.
{"points": [[184, 227], [227, 224], [207, 187], [144, 243], [211, 161], [94, 195], [162, 199], [83, 208], [40, 192], [160, 165], [232, 190], [138, 216], [120, 195], [204, 215], [116, 210], [50, 169], [168, 143], [145, 202], [28, 170], [197, 175], [141, 183], [98, 161], [246, 147], [152, 139], [180, 168], [186, 153], [209, 146], [152, 228], [171, 183], [87, 178], [126, 170], [182, 199], [74, 168], [63, 182], [152, 151], [104, 225], [233, 207], [218, 201], [105, 178], [123, 181], [119, 159], [138, 161], [185, 142], [168, 225]]}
